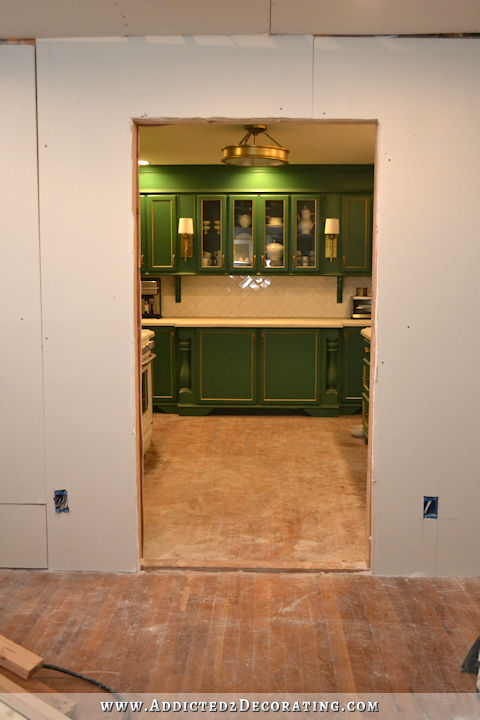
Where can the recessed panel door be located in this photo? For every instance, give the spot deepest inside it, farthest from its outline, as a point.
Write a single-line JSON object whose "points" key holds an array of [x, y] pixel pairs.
{"points": [[289, 366], [356, 235], [227, 366], [162, 226], [352, 365], [164, 389]]}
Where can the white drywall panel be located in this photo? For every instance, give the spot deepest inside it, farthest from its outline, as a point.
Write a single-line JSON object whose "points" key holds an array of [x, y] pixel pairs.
{"points": [[21, 420], [423, 93], [427, 389], [88, 92], [382, 17], [49, 18], [23, 536]]}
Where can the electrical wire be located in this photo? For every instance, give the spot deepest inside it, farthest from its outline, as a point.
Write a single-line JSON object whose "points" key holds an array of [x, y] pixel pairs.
{"points": [[99, 684]]}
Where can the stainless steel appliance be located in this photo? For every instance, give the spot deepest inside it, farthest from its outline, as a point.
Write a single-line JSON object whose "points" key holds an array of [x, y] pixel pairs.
{"points": [[147, 387], [151, 305], [362, 307]]}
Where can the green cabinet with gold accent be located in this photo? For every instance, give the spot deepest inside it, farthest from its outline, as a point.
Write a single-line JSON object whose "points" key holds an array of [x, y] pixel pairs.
{"points": [[198, 369], [352, 355], [289, 366], [355, 248], [159, 223], [164, 368], [226, 366], [210, 233], [305, 234]]}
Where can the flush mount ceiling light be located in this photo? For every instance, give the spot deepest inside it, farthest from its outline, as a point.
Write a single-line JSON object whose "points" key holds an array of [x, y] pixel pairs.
{"points": [[254, 155]]}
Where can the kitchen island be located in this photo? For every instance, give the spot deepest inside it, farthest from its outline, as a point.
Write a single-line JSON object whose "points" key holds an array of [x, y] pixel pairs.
{"points": [[206, 364]]}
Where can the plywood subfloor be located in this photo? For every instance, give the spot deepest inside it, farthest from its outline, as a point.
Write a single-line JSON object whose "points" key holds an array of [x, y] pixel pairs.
{"points": [[247, 491], [181, 631]]}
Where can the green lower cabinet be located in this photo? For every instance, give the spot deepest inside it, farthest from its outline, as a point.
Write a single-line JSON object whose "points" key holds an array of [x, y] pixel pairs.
{"points": [[227, 366], [318, 370], [164, 364], [352, 370], [289, 369]]}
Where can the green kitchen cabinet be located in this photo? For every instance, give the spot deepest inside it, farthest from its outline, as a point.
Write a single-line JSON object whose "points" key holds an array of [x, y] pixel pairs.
{"points": [[159, 234], [226, 366], [164, 368], [211, 234], [258, 233], [259, 368], [289, 368], [273, 225], [366, 387], [352, 375], [305, 234], [242, 233], [355, 245], [144, 260]]}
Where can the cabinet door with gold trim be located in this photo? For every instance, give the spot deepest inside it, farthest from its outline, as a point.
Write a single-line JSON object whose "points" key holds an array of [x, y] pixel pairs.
{"points": [[305, 233], [164, 366], [356, 235], [161, 228], [227, 366], [274, 227], [352, 371], [211, 233], [243, 220], [289, 373]]}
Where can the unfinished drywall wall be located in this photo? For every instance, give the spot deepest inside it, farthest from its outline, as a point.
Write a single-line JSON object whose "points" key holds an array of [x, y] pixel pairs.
{"points": [[88, 93], [423, 93], [22, 490], [427, 387]]}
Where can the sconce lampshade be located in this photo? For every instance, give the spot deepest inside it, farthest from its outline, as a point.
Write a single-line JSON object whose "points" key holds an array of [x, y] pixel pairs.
{"points": [[332, 226], [185, 226]]}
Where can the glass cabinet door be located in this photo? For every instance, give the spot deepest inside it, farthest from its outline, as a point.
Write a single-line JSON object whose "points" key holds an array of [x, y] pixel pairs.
{"points": [[243, 228], [211, 218], [305, 251], [275, 224]]}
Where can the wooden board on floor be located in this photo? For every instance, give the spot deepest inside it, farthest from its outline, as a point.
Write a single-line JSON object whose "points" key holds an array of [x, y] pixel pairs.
{"points": [[51, 696], [17, 659], [26, 703]]}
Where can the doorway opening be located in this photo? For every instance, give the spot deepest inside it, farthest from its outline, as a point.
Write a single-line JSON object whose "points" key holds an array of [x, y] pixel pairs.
{"points": [[265, 479]]}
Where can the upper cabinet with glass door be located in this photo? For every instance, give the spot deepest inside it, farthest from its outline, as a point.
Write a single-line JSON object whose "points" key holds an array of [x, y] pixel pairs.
{"points": [[305, 233], [211, 219], [274, 217]]}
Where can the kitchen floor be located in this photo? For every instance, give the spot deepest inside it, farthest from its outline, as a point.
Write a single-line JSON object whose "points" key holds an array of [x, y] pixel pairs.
{"points": [[244, 491]]}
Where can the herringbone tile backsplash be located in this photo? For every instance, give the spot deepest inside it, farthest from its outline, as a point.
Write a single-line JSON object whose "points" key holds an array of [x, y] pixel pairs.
{"points": [[291, 296]]}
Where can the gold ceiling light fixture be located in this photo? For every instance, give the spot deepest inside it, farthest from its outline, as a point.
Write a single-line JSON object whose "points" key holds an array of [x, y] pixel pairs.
{"points": [[253, 155]]}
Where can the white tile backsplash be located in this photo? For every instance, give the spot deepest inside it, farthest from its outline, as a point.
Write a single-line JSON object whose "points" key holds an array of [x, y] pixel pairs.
{"points": [[289, 296]]}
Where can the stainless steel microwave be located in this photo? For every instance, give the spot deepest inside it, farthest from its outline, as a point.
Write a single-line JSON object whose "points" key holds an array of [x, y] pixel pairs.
{"points": [[362, 307]]}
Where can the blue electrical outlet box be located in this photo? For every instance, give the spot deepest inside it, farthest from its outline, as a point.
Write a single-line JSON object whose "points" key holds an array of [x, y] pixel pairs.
{"points": [[60, 498], [430, 507]]}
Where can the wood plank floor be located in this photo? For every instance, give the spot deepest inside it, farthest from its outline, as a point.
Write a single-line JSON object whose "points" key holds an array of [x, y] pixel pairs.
{"points": [[181, 631], [276, 491]]}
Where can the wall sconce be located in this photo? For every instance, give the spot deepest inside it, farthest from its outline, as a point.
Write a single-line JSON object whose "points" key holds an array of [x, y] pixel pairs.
{"points": [[332, 230], [185, 229]]}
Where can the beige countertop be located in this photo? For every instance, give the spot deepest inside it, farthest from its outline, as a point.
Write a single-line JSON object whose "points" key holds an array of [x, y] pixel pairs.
{"points": [[255, 322]]}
